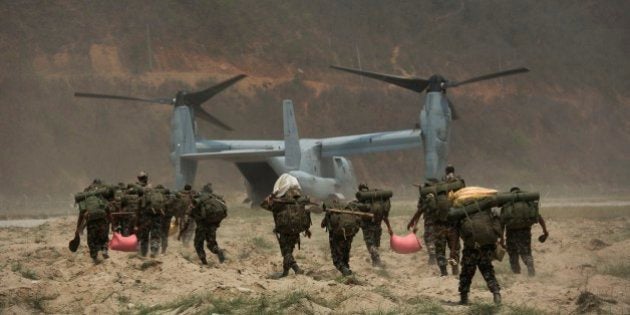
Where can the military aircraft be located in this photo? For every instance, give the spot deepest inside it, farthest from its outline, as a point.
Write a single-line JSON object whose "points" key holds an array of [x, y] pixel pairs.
{"points": [[437, 113], [320, 165]]}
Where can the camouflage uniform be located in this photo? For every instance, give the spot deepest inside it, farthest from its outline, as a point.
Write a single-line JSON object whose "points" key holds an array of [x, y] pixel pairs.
{"points": [[372, 232], [287, 241], [149, 226], [473, 257], [340, 244], [482, 258], [206, 231], [519, 245], [130, 206], [97, 237], [98, 227], [169, 212], [184, 219], [446, 235]]}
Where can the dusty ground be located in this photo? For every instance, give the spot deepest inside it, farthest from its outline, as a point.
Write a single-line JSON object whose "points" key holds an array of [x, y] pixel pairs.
{"points": [[584, 253]]}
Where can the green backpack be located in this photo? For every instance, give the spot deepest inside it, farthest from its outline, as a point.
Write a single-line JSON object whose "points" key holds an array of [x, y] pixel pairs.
{"points": [[378, 201], [155, 200], [519, 215], [344, 224], [210, 208], [480, 229], [292, 217], [94, 206]]}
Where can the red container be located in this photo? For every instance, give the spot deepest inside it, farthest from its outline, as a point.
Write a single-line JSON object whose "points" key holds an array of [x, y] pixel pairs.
{"points": [[405, 244], [124, 244]]}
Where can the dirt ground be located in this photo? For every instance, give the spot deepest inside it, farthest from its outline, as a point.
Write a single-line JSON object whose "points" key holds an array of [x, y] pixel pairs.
{"points": [[583, 267]]}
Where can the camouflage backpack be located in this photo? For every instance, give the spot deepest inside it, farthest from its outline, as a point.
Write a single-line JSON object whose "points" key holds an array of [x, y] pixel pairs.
{"points": [[291, 216], [378, 201], [94, 207], [210, 208], [155, 200], [481, 228], [519, 214], [344, 224]]}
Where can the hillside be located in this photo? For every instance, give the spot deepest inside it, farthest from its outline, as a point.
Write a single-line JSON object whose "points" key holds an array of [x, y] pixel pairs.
{"points": [[564, 126]]}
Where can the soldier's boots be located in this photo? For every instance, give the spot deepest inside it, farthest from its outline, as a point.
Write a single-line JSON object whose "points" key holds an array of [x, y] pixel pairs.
{"points": [[285, 272], [221, 255], [105, 254], [297, 269], [346, 271], [531, 271], [432, 259], [455, 270], [463, 298], [443, 271], [204, 260], [497, 298]]}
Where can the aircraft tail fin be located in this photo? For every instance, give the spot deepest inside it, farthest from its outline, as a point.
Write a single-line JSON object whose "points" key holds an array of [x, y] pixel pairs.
{"points": [[293, 154]]}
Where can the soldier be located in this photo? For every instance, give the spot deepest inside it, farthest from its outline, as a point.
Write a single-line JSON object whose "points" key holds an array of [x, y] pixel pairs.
{"points": [[341, 229], [185, 222], [518, 232], [371, 226], [130, 203], [208, 212], [95, 213], [149, 218], [450, 176], [480, 232], [291, 218], [169, 212], [428, 234], [121, 220], [143, 180]]}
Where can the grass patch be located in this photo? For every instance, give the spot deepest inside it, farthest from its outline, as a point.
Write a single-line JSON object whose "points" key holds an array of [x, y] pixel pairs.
{"points": [[24, 271], [386, 293], [621, 270], [424, 306], [483, 309]]}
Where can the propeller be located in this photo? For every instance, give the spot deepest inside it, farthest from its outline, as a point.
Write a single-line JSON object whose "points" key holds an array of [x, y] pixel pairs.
{"points": [[182, 98], [435, 83]]}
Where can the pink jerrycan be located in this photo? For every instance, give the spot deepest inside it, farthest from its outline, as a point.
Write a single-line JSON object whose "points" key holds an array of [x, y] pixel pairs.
{"points": [[123, 243], [405, 244]]}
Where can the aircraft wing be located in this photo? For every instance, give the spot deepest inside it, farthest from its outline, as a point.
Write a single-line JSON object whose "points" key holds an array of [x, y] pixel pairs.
{"points": [[371, 142], [244, 155]]}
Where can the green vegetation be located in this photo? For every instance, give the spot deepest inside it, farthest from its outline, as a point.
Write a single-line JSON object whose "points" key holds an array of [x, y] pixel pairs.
{"points": [[24, 271], [523, 310], [483, 309], [426, 306]]}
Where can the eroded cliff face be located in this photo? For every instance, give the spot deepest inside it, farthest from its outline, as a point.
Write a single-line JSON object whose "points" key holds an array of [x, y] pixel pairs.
{"points": [[564, 123]]}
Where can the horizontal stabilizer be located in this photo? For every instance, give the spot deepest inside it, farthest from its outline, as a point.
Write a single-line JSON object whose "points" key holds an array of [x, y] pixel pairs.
{"points": [[235, 155]]}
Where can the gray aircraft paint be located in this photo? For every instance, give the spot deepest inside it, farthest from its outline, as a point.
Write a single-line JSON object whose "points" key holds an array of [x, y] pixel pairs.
{"points": [[435, 123]]}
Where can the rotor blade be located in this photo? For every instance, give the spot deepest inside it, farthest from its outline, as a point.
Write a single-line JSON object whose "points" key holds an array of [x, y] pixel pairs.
{"points": [[454, 114], [201, 113], [125, 98], [414, 84], [198, 98], [488, 76]]}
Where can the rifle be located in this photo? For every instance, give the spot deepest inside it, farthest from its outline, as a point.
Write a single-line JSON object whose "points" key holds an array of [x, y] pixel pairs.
{"points": [[364, 214]]}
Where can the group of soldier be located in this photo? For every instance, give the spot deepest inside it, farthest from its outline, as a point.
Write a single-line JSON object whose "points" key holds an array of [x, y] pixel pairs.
{"points": [[140, 209], [148, 212]]}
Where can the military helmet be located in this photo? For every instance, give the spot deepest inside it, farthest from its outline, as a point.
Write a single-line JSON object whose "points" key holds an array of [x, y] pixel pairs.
{"points": [[515, 189], [187, 187], [142, 174], [207, 187], [160, 186], [97, 181], [449, 169], [363, 186]]}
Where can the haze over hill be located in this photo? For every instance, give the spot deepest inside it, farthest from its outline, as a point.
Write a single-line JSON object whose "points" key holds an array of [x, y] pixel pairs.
{"points": [[567, 122]]}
